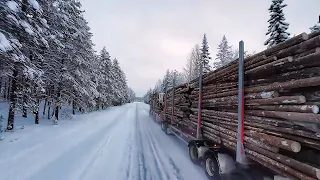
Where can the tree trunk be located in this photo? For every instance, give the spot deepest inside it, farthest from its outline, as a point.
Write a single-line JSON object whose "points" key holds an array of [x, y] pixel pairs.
{"points": [[52, 114], [24, 108], [36, 114], [45, 106], [5, 90], [0, 85], [9, 88], [24, 112], [73, 108], [13, 98], [49, 107], [57, 112]]}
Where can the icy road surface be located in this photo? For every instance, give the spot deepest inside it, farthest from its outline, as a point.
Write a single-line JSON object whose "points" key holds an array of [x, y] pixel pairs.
{"points": [[116, 144]]}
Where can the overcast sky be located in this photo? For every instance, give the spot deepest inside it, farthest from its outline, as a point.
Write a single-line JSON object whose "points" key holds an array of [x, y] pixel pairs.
{"points": [[150, 36]]}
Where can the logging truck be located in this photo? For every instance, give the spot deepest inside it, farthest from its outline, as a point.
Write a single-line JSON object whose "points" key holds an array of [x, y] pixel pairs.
{"points": [[253, 118], [217, 161]]}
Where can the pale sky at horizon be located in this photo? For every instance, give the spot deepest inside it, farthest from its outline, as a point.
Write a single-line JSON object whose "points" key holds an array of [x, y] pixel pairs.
{"points": [[150, 36]]}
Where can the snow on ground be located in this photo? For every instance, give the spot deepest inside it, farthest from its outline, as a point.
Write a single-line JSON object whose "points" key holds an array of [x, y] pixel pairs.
{"points": [[119, 143]]}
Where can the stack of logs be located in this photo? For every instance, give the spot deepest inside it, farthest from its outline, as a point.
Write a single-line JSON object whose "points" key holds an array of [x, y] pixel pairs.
{"points": [[282, 98]]}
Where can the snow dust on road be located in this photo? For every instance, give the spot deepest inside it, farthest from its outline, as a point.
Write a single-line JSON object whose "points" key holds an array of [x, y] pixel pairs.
{"points": [[116, 144]]}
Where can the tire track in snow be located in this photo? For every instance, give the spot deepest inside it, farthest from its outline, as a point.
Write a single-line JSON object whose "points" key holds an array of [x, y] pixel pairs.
{"points": [[176, 172], [64, 150], [176, 169], [129, 158], [141, 159], [116, 152], [89, 165], [157, 160]]}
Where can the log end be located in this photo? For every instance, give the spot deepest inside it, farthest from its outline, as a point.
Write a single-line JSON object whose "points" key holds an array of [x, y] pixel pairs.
{"points": [[305, 36], [302, 99], [296, 147], [318, 50], [318, 173], [315, 109], [290, 59], [274, 58]]}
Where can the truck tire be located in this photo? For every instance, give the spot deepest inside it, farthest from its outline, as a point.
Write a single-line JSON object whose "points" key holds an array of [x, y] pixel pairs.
{"points": [[211, 166], [167, 131], [164, 127], [193, 154]]}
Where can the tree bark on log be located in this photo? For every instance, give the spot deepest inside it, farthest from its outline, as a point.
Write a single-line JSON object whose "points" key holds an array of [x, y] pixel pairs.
{"points": [[275, 141], [287, 108], [309, 170], [292, 116], [279, 165], [277, 100], [299, 48], [273, 168], [264, 158], [288, 43]]}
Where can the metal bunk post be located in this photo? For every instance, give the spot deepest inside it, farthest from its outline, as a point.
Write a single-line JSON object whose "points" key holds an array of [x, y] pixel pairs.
{"points": [[241, 157], [198, 135]]}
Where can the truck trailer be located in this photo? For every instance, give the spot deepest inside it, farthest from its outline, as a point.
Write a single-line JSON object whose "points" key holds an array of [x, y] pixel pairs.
{"points": [[254, 118]]}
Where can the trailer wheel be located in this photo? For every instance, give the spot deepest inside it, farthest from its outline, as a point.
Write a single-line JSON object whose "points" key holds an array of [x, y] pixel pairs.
{"points": [[166, 130], [193, 153], [211, 166], [164, 127]]}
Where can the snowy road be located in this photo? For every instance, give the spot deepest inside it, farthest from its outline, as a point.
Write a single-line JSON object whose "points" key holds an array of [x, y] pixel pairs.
{"points": [[116, 144]]}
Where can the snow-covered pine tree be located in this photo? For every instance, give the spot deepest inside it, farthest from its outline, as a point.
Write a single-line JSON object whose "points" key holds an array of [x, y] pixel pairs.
{"points": [[22, 32], [224, 54], [74, 83], [105, 85], [235, 54], [205, 58], [131, 95], [146, 97], [53, 53], [179, 78], [316, 27], [277, 29], [123, 88], [166, 82], [158, 86], [120, 84]]}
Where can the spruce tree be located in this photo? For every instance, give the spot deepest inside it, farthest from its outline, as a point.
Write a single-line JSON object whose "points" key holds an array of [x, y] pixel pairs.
{"points": [[316, 27], [224, 55], [166, 82], [46, 53], [22, 37], [277, 29], [105, 86], [205, 58]]}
